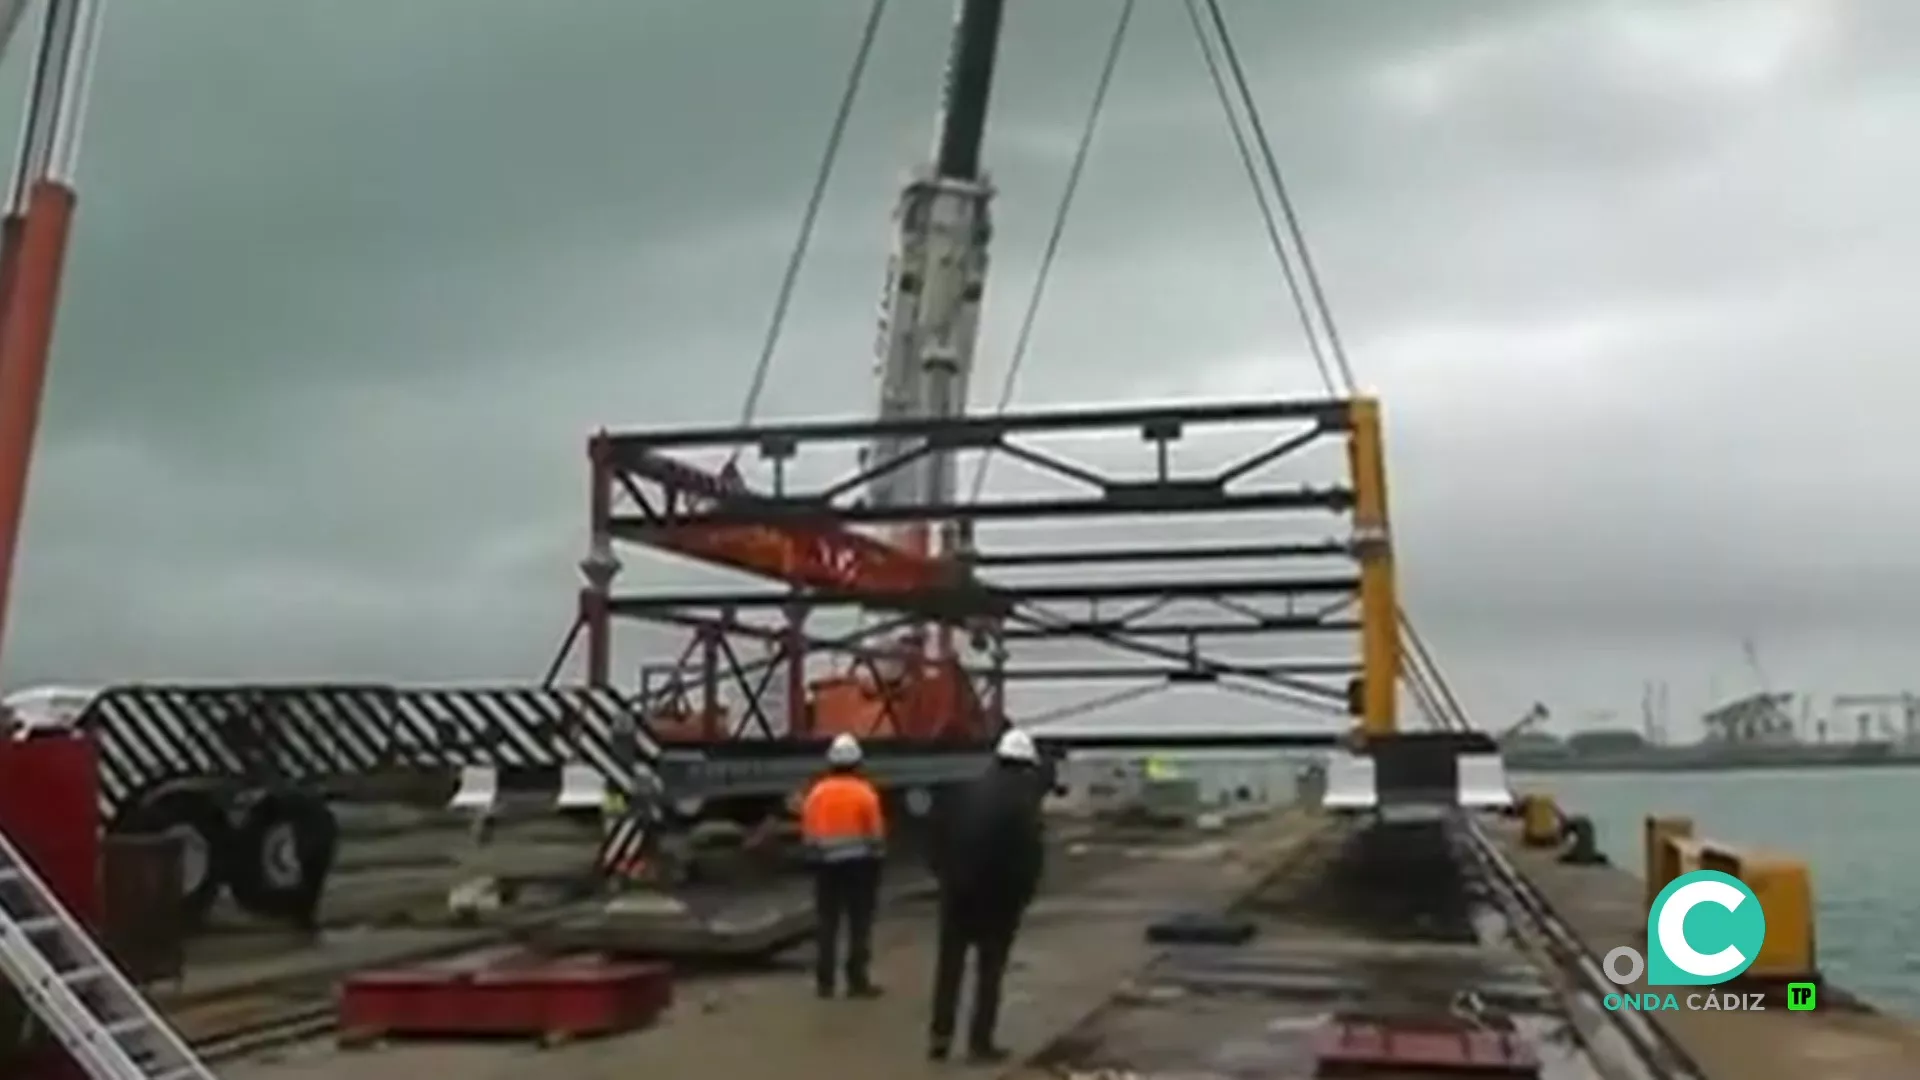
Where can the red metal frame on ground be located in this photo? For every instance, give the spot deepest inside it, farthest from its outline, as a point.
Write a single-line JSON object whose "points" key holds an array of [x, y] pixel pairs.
{"points": [[522, 996], [1348, 1047]]}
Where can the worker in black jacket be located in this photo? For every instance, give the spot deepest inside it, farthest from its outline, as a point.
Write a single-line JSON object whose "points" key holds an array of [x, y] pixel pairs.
{"points": [[988, 858]]}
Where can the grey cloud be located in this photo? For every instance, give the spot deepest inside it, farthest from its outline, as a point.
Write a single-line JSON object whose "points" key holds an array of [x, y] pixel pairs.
{"points": [[348, 292]]}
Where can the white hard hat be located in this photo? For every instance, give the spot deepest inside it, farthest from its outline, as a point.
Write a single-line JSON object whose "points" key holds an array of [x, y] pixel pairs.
{"points": [[844, 750], [1017, 745]]}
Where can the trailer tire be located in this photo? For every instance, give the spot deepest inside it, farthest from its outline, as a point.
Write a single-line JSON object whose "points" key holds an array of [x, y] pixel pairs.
{"points": [[283, 853], [197, 814]]}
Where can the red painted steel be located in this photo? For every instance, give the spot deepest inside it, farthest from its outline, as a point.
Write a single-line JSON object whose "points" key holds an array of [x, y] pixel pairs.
{"points": [[527, 997], [821, 554], [1349, 1047], [26, 338], [50, 809]]}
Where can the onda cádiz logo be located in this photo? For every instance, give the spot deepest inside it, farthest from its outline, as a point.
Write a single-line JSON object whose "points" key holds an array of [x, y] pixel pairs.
{"points": [[1704, 928]]}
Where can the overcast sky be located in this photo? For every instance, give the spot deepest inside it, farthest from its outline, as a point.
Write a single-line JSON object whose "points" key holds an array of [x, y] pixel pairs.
{"points": [[352, 280]]}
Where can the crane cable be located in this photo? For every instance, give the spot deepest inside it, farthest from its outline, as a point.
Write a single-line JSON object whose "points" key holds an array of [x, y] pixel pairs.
{"points": [[1259, 189], [1421, 671], [1335, 345], [1090, 705], [1025, 337], [835, 136], [1217, 76]]}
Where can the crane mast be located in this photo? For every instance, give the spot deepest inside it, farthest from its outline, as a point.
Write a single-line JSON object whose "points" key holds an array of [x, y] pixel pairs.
{"points": [[936, 275]]}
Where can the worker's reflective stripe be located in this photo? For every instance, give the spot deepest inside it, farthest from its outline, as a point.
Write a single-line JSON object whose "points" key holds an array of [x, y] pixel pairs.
{"points": [[845, 849]]}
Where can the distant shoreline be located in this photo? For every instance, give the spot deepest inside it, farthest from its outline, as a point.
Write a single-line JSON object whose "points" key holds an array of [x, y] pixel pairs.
{"points": [[1699, 766]]}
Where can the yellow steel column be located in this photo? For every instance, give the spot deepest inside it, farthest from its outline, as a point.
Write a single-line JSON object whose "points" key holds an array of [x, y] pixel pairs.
{"points": [[1379, 602]]}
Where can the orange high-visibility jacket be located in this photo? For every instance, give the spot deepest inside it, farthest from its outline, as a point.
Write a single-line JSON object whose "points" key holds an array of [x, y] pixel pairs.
{"points": [[841, 820]]}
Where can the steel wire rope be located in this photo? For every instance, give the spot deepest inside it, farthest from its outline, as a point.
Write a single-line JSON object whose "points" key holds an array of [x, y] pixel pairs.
{"points": [[1023, 340], [1252, 170], [1420, 669], [1092, 704], [763, 367], [1335, 345], [1419, 663], [836, 134]]}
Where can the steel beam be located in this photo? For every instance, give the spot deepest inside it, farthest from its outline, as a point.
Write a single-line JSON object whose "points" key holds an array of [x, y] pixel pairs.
{"points": [[1118, 499], [1107, 556], [1084, 628], [1173, 739], [1207, 671], [985, 600], [778, 441], [1380, 614]]}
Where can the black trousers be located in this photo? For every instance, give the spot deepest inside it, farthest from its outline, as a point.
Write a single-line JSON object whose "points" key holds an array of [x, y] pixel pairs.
{"points": [[987, 931], [316, 848], [844, 892]]}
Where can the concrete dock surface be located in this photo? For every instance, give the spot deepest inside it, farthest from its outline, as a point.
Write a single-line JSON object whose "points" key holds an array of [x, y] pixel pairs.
{"points": [[1080, 941], [1089, 996], [1605, 906]]}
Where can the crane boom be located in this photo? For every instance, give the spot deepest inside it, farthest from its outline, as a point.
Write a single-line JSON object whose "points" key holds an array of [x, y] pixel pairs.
{"points": [[928, 324], [936, 276], [963, 113]]}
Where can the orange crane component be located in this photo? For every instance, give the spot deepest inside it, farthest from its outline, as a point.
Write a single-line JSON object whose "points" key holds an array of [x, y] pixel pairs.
{"points": [[38, 216], [819, 554], [909, 695]]}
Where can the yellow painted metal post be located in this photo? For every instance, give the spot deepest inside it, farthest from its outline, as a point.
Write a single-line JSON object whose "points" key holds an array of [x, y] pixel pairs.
{"points": [[1379, 600]]}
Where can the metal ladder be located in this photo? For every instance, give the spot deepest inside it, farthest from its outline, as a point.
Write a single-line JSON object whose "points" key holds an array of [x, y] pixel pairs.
{"points": [[82, 997]]}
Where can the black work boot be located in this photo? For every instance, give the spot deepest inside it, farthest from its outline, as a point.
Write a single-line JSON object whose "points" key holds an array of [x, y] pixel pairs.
{"points": [[987, 1054], [939, 1049]]}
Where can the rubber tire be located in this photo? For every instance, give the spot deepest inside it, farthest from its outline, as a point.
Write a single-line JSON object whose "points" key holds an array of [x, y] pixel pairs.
{"points": [[314, 828], [203, 811]]}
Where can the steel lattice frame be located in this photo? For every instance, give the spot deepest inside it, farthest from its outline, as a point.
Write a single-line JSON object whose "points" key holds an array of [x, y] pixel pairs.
{"points": [[646, 489]]}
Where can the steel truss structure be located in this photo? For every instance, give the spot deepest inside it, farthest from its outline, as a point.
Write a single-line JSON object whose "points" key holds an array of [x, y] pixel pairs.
{"points": [[1133, 598], [153, 735]]}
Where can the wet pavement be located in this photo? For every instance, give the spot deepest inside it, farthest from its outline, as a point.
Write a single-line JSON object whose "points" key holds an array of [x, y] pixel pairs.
{"points": [[1332, 946], [1078, 945], [1358, 936]]}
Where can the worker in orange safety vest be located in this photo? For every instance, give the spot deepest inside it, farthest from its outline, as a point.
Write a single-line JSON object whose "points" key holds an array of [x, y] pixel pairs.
{"points": [[845, 834]]}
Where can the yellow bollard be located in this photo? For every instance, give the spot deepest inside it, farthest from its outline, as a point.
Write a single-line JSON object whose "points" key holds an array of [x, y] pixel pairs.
{"points": [[1662, 859], [1539, 821], [1783, 886], [1785, 890]]}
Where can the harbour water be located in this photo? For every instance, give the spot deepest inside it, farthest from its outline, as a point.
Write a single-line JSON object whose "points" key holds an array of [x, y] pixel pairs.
{"points": [[1854, 827]]}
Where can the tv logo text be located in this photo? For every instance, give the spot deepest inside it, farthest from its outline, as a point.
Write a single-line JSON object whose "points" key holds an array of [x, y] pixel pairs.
{"points": [[1704, 929]]}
